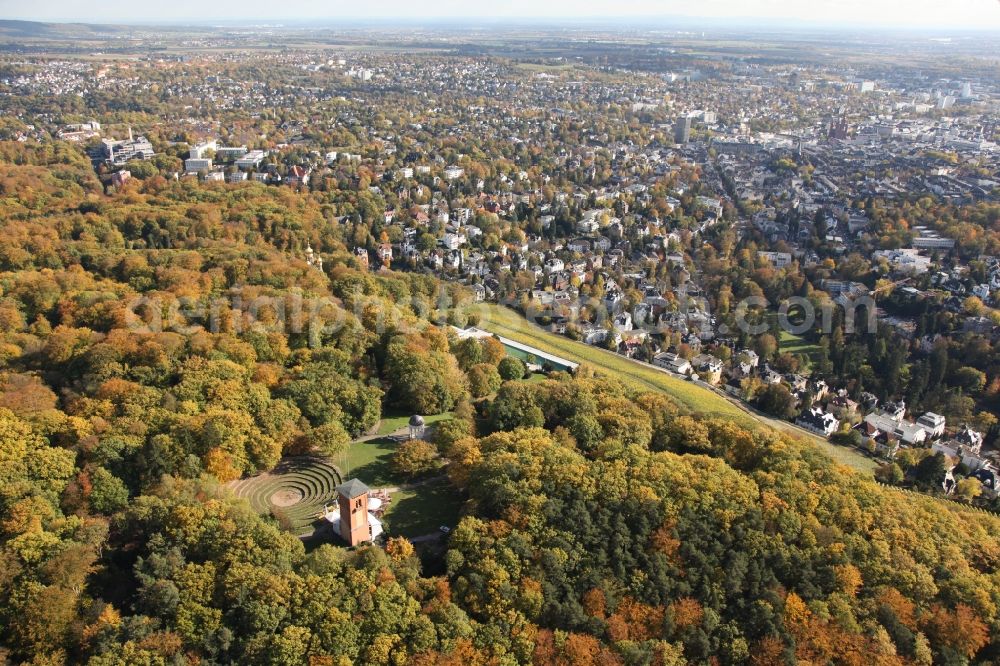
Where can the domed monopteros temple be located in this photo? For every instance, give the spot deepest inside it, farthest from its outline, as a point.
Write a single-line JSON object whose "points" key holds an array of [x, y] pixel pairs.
{"points": [[416, 426], [352, 520]]}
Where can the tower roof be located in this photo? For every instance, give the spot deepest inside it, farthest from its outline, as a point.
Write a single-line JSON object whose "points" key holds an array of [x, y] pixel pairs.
{"points": [[416, 420], [353, 488]]}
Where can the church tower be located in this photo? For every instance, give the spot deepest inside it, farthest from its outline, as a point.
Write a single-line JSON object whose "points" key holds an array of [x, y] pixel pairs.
{"points": [[352, 496]]}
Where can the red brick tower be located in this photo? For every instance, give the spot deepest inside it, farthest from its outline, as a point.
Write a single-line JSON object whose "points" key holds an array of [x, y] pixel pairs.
{"points": [[352, 497]]}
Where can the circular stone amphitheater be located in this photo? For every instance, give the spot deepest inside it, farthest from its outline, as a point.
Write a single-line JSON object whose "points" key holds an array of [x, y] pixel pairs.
{"points": [[297, 489]]}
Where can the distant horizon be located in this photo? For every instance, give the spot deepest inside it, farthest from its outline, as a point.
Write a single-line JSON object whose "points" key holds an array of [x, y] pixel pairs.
{"points": [[895, 15], [649, 23]]}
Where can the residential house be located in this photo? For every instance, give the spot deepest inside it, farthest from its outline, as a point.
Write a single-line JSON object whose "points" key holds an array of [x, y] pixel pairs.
{"points": [[909, 433], [969, 439], [622, 321], [384, 253], [777, 259], [959, 453], [672, 362], [297, 175], [819, 421], [594, 335], [708, 366], [933, 424], [554, 265], [361, 254]]}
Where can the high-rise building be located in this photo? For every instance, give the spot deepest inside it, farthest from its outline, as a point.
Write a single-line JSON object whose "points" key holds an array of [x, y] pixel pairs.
{"points": [[682, 131], [838, 128], [945, 102]]}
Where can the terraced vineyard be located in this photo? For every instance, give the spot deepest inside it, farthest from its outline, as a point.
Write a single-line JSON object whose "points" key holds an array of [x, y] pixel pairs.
{"points": [[295, 491], [508, 323]]}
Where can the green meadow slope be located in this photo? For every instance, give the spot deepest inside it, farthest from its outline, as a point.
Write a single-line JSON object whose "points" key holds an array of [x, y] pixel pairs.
{"points": [[510, 324]]}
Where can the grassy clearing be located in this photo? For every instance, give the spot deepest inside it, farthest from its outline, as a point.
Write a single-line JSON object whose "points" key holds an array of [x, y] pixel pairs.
{"points": [[369, 460], [414, 511], [846, 456], [510, 324], [395, 420], [793, 344], [422, 510]]}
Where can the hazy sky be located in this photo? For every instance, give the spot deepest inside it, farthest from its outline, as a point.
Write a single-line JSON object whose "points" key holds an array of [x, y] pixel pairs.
{"points": [[902, 13]]}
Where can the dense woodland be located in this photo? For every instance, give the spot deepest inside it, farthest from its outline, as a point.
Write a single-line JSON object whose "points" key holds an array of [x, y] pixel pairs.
{"points": [[600, 526]]}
